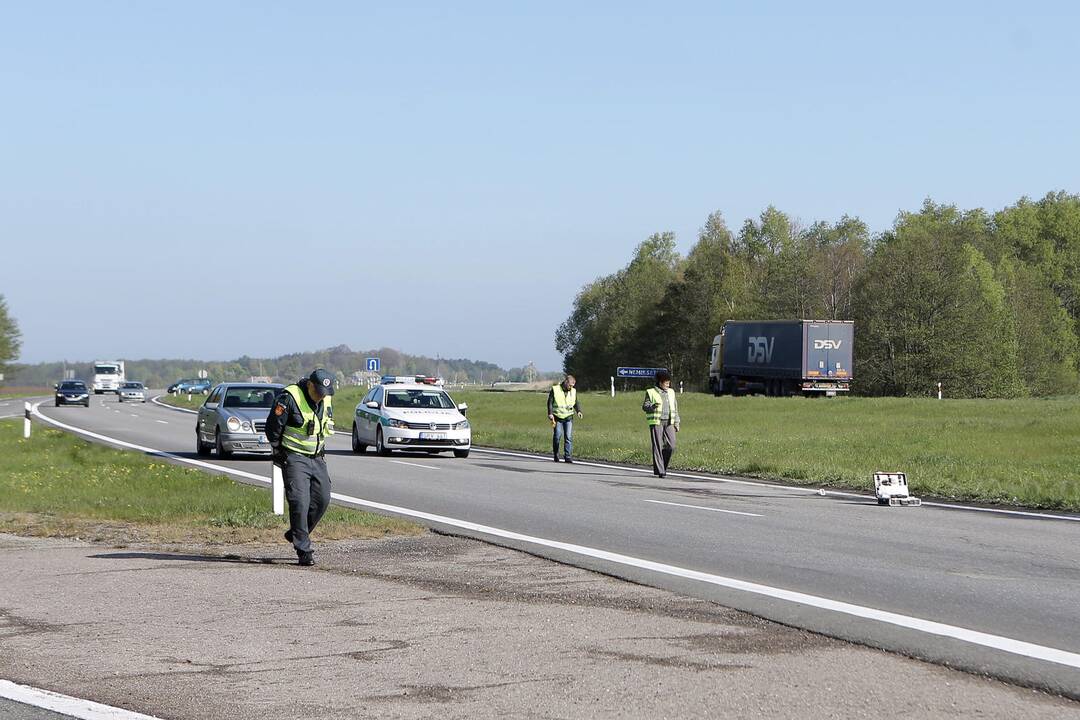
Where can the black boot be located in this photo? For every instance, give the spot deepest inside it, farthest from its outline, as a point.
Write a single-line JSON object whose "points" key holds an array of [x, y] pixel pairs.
{"points": [[305, 558]]}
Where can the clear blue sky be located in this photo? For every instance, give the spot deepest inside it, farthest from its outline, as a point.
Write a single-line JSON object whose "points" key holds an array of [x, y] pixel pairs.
{"points": [[228, 178]]}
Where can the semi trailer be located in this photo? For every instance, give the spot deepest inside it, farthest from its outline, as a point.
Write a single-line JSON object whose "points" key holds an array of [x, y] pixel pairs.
{"points": [[782, 357]]}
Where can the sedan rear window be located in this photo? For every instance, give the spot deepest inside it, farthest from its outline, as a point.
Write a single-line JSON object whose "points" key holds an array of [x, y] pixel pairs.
{"points": [[418, 399]]}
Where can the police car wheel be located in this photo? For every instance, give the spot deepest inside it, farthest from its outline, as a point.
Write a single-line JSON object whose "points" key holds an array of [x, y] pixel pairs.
{"points": [[357, 446], [461, 453], [380, 446]]}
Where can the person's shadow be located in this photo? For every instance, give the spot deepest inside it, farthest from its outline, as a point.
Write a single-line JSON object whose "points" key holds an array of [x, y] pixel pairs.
{"points": [[237, 559]]}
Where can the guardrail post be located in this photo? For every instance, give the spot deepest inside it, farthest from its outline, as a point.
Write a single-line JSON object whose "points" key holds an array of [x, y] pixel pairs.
{"points": [[26, 420], [278, 487]]}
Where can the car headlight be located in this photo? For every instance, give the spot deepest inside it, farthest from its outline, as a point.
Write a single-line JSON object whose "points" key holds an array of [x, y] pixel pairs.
{"points": [[233, 424], [398, 424], [463, 425], [246, 425]]}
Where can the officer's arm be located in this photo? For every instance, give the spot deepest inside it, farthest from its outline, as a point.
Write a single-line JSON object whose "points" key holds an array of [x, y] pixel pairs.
{"points": [[278, 418], [551, 401], [648, 406]]}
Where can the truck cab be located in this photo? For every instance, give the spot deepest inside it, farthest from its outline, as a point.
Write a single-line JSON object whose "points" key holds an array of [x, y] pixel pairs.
{"points": [[108, 376]]}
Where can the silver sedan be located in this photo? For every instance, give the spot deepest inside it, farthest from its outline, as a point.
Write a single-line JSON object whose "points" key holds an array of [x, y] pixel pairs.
{"points": [[233, 419]]}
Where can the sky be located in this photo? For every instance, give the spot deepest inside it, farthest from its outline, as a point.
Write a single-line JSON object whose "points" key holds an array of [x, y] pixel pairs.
{"points": [[211, 180]]}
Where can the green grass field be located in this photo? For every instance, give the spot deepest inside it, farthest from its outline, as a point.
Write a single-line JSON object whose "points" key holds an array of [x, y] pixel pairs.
{"points": [[1017, 452], [54, 480]]}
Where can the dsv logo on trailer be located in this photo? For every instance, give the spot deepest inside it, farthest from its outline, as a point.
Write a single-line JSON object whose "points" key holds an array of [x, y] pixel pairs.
{"points": [[827, 344], [760, 350]]}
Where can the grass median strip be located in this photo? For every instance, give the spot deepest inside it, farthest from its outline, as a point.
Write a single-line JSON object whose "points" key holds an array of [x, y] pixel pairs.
{"points": [[58, 485]]}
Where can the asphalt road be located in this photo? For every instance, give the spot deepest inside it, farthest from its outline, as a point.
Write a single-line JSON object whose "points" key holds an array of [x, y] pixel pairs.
{"points": [[987, 592]]}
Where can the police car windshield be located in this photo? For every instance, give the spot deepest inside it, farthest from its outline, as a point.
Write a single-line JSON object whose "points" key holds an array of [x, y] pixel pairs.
{"points": [[418, 400], [249, 397]]}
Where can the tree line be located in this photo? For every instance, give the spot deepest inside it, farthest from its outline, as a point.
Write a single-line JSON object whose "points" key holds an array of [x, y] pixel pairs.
{"points": [[986, 303], [340, 360]]}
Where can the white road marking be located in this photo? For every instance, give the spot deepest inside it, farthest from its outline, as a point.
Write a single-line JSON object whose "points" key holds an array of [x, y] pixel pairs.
{"points": [[163, 422], [134, 415], [930, 627], [702, 507], [796, 488], [156, 401], [403, 462], [65, 704]]}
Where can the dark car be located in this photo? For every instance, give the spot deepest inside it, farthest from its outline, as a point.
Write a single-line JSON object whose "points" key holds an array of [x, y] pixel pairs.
{"points": [[72, 392], [192, 387], [176, 385]]}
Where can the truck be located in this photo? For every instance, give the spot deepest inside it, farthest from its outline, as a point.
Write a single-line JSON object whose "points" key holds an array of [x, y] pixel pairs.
{"points": [[782, 357], [108, 376]]}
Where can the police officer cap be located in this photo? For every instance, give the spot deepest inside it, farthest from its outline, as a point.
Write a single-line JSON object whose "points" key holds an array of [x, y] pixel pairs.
{"points": [[323, 381]]}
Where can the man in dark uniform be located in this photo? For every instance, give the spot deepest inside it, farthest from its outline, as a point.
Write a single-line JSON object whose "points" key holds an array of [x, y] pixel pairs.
{"points": [[297, 427]]}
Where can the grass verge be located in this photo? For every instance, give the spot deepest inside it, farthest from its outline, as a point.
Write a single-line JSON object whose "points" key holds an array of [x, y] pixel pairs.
{"points": [[57, 485]]}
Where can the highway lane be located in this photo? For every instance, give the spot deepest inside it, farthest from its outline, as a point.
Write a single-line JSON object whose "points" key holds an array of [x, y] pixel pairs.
{"points": [[1011, 577]]}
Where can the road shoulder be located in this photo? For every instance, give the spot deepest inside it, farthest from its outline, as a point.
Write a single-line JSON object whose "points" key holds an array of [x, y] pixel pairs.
{"points": [[410, 627]]}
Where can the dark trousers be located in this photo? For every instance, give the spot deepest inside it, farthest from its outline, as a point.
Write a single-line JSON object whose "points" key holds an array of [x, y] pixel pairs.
{"points": [[563, 430], [307, 488], [663, 446]]}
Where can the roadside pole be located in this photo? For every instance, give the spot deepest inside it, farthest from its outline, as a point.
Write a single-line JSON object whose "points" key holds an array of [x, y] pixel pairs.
{"points": [[612, 386], [939, 391], [278, 484], [26, 420]]}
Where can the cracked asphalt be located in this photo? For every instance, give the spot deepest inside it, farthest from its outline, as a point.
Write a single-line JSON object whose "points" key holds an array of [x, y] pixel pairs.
{"points": [[432, 625]]}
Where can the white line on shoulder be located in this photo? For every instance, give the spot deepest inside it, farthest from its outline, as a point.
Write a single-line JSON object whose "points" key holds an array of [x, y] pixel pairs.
{"points": [[65, 704]]}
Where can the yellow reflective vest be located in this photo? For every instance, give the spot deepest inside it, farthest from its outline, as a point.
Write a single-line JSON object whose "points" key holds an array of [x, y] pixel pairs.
{"points": [[309, 439], [564, 402]]}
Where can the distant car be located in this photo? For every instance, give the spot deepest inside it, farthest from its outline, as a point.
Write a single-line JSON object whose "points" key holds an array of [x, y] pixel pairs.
{"points": [[176, 385], [233, 419], [410, 416], [72, 392], [133, 391], [193, 387]]}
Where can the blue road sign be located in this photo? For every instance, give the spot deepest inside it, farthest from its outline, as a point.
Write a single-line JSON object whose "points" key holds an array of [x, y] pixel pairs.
{"points": [[373, 364], [637, 372]]}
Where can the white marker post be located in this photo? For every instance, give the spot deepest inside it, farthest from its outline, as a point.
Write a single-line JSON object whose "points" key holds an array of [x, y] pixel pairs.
{"points": [[939, 391], [278, 484], [680, 387], [612, 386], [26, 420]]}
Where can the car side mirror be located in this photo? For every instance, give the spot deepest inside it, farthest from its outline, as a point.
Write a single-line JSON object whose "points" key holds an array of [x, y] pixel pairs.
{"points": [[462, 408], [56, 386], [372, 404]]}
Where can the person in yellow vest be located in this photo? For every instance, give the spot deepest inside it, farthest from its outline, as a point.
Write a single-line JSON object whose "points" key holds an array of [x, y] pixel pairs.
{"points": [[297, 428], [662, 411], [562, 405]]}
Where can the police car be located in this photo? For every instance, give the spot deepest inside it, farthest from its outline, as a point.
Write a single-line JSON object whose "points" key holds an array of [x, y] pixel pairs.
{"points": [[410, 416]]}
